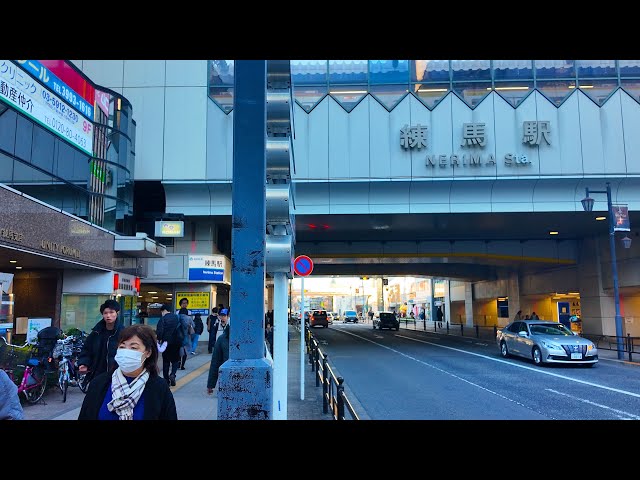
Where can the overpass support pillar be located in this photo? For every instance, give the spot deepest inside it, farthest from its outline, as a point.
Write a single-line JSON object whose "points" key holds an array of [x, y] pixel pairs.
{"points": [[468, 303], [513, 294]]}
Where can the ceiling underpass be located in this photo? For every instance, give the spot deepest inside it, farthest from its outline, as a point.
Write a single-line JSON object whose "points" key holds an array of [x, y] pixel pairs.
{"points": [[466, 246]]}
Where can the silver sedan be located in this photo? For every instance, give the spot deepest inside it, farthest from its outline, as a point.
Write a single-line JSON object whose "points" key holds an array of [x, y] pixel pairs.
{"points": [[545, 342]]}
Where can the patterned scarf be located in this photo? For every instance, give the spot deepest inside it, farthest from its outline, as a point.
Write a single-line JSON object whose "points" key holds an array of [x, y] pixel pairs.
{"points": [[126, 395]]}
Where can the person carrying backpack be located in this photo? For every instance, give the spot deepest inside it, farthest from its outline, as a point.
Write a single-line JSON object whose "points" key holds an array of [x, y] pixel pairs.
{"points": [[171, 330]]}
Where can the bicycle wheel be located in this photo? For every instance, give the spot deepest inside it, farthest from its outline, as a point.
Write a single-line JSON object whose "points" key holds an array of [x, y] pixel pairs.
{"points": [[33, 395]]}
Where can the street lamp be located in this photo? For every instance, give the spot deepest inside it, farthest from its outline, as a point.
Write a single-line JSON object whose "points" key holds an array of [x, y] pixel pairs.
{"points": [[587, 204]]}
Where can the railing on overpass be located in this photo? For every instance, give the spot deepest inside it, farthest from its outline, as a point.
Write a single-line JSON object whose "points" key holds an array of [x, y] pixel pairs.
{"points": [[631, 344], [333, 394]]}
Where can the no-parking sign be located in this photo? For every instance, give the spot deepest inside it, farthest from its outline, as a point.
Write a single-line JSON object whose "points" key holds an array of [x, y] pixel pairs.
{"points": [[303, 265]]}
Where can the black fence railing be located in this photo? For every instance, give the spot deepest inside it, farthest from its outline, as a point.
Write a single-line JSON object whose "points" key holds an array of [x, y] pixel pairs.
{"points": [[334, 398], [630, 345]]}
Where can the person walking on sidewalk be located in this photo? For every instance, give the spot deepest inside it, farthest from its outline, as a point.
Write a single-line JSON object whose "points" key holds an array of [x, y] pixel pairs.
{"points": [[100, 346], [168, 330], [220, 351], [187, 323], [198, 328], [133, 391], [212, 328]]}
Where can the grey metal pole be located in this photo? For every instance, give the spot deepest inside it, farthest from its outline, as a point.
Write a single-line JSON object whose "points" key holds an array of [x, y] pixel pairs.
{"points": [[301, 338], [245, 379], [280, 344], [614, 272]]}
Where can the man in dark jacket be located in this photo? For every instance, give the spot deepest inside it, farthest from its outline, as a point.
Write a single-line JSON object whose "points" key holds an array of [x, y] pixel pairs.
{"points": [[165, 331], [100, 346], [220, 355], [212, 328]]}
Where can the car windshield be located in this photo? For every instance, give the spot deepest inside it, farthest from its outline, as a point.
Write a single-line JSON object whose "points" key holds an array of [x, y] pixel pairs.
{"points": [[387, 316], [350, 313], [550, 329]]}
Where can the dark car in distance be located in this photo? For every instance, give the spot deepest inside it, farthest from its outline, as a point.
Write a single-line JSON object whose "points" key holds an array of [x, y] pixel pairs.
{"points": [[319, 317], [386, 320]]}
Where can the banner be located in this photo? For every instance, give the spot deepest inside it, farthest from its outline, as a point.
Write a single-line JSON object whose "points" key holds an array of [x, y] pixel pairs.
{"points": [[620, 218]]}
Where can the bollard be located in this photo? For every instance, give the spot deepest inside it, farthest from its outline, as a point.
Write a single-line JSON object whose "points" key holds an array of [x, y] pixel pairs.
{"points": [[315, 362], [461, 330], [311, 355], [447, 328], [340, 399], [495, 331], [325, 383], [477, 331], [629, 345], [435, 325]]}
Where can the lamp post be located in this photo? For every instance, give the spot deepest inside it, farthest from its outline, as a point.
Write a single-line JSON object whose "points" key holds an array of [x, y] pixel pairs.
{"points": [[587, 204]]}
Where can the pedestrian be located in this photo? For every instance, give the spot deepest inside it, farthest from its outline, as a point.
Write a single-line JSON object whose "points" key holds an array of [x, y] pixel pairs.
{"points": [[198, 328], [168, 330], [187, 324], [10, 407], [133, 390], [518, 316], [223, 318], [439, 314], [220, 352], [268, 335], [99, 349], [370, 314], [534, 316], [212, 328]]}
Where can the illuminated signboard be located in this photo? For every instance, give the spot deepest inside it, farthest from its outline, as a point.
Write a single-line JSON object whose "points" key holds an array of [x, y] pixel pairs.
{"points": [[207, 268], [63, 80], [169, 229], [21, 91]]}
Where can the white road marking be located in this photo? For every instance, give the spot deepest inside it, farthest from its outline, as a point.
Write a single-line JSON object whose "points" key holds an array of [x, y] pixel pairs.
{"points": [[619, 413]]}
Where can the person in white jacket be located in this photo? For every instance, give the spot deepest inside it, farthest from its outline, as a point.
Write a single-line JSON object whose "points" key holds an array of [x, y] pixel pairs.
{"points": [[10, 407]]}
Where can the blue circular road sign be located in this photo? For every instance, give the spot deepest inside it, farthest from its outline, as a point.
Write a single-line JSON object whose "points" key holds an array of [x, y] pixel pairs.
{"points": [[303, 265]]}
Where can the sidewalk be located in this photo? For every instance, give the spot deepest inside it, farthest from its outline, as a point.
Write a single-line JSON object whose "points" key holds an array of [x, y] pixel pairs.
{"points": [[193, 402]]}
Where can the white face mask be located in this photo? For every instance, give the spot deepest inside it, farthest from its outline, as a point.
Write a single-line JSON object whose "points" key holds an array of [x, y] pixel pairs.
{"points": [[129, 360]]}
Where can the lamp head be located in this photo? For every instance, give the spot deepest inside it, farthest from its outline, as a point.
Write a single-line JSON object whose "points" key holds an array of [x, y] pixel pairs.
{"points": [[587, 204], [626, 241]]}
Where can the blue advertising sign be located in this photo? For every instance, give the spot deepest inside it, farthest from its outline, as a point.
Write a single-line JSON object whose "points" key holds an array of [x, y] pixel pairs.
{"points": [[35, 68]]}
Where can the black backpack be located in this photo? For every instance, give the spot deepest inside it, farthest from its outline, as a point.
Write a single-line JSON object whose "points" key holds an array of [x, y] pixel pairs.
{"points": [[177, 337]]}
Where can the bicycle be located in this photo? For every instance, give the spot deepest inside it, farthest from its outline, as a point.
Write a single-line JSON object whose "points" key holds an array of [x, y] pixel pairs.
{"points": [[66, 352], [27, 357]]}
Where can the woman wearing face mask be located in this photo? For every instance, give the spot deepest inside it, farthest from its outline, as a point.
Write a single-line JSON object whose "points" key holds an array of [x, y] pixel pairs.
{"points": [[133, 391]]}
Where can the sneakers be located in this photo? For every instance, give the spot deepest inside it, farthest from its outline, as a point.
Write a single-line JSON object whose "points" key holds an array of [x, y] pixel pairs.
{"points": [[182, 368], [172, 380], [193, 353]]}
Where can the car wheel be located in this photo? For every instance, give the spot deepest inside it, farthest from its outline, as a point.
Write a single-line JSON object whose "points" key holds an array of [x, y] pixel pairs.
{"points": [[536, 354], [504, 351]]}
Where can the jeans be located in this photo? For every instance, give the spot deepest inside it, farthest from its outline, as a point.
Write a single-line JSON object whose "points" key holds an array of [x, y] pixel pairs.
{"points": [[194, 341]]}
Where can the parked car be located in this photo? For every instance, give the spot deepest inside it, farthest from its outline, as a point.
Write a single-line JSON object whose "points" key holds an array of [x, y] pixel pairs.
{"points": [[545, 342], [350, 316], [319, 317], [386, 320]]}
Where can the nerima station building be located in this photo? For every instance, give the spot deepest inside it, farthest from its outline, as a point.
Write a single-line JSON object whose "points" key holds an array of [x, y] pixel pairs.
{"points": [[469, 174]]}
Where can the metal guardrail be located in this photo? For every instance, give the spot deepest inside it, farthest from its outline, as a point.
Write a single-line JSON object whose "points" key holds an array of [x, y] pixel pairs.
{"points": [[333, 395], [631, 344]]}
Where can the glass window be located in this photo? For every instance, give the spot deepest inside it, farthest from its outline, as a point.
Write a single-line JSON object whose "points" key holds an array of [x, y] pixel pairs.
{"points": [[348, 96], [24, 138], [431, 93], [389, 95], [629, 68], [308, 96], [632, 87], [70, 164], [347, 71], [596, 68], [26, 175], [389, 71], [43, 150], [556, 91], [221, 72], [6, 169], [598, 90], [429, 70], [308, 72], [8, 121], [81, 311], [463, 70], [76, 202], [555, 69], [222, 97], [472, 93], [512, 69], [514, 92]]}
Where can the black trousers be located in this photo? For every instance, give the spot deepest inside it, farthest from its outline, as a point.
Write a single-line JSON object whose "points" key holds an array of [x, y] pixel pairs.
{"points": [[212, 341], [170, 360]]}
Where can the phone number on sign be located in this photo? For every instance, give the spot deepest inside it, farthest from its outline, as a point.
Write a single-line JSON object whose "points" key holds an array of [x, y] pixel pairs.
{"points": [[59, 107], [66, 131]]}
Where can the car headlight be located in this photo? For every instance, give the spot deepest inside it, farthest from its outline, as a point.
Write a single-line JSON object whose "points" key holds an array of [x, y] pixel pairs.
{"points": [[551, 345], [591, 347]]}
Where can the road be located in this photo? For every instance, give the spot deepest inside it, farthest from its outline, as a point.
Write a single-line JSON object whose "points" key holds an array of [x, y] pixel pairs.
{"points": [[417, 375]]}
